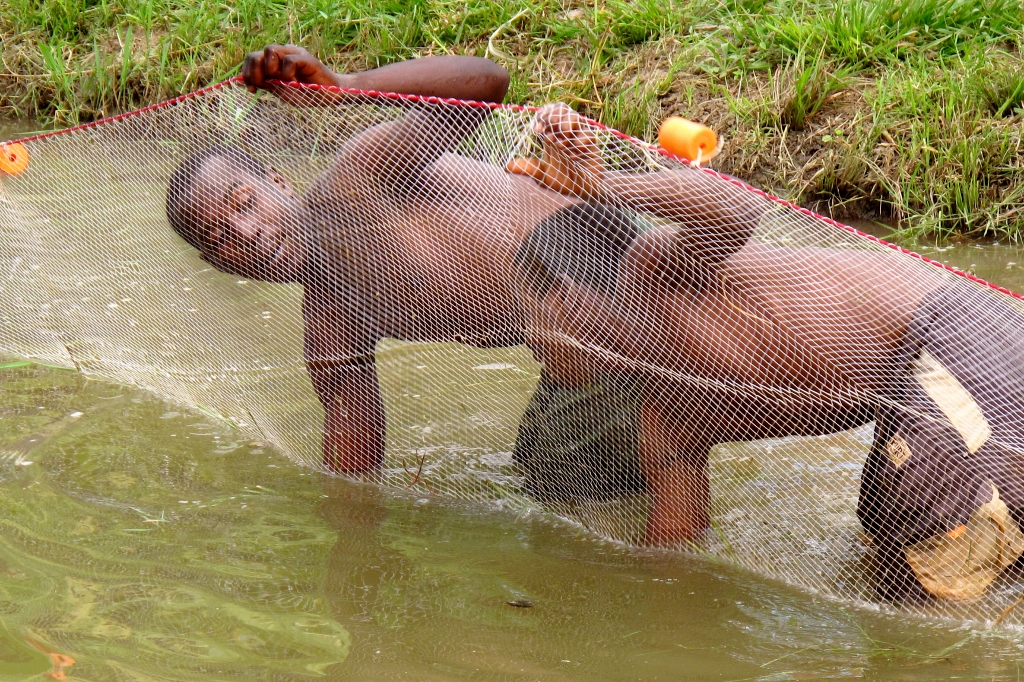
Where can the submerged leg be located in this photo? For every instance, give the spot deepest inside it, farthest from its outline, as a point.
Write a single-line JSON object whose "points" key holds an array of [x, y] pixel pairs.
{"points": [[353, 439], [677, 478]]}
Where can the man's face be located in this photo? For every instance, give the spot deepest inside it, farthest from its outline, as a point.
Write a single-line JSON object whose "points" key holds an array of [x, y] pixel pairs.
{"points": [[248, 225]]}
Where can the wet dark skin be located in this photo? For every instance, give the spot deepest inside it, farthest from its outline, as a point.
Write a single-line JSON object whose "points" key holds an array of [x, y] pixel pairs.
{"points": [[808, 332], [412, 242]]}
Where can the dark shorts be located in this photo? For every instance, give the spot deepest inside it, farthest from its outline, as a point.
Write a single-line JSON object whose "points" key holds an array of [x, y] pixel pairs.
{"points": [[585, 241], [581, 443], [949, 426]]}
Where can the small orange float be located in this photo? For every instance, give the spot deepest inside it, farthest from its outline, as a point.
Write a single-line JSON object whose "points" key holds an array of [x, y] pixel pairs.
{"points": [[688, 139], [13, 158], [60, 662]]}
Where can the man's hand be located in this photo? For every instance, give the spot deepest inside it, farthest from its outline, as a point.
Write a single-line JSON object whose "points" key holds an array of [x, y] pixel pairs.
{"points": [[454, 76], [287, 63], [571, 163]]}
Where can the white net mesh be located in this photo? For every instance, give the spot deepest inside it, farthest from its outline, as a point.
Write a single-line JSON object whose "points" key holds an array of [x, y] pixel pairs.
{"points": [[661, 354]]}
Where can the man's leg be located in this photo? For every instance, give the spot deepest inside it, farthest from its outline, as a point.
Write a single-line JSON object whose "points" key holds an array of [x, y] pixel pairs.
{"points": [[677, 477]]}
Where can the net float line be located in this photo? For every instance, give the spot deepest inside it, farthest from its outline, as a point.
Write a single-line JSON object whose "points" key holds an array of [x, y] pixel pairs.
{"points": [[238, 82], [689, 139]]}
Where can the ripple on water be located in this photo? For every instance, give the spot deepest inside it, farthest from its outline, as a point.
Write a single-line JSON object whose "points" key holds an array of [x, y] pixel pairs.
{"points": [[141, 556], [111, 569]]}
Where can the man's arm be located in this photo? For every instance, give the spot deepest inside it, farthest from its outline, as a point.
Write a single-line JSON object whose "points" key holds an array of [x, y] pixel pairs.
{"points": [[713, 219], [353, 438], [390, 154], [445, 76], [340, 362]]}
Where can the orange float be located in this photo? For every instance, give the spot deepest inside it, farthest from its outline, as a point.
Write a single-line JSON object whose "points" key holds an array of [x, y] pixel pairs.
{"points": [[688, 139], [13, 158]]}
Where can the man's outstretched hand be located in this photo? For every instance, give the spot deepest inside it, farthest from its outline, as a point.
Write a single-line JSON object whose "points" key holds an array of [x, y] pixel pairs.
{"points": [[287, 63], [454, 76]]}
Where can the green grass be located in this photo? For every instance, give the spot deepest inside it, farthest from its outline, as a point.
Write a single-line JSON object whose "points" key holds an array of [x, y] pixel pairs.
{"points": [[903, 108]]}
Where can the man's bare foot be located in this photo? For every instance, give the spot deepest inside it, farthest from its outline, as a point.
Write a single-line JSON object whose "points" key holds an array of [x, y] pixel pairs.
{"points": [[571, 162]]}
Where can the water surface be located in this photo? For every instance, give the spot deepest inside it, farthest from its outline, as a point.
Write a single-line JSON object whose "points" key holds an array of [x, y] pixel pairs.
{"points": [[149, 543], [145, 541]]}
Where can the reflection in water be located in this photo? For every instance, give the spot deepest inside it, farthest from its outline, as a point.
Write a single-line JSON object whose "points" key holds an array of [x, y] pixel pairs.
{"points": [[146, 543]]}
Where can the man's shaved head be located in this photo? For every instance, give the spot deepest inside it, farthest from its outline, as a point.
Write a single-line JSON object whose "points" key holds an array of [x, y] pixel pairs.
{"points": [[183, 195], [242, 216]]}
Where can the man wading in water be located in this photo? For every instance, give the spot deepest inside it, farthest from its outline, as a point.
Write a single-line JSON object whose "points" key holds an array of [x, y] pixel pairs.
{"points": [[402, 238], [762, 340]]}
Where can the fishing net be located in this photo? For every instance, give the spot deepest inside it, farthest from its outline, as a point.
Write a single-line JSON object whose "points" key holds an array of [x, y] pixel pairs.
{"points": [[647, 348]]}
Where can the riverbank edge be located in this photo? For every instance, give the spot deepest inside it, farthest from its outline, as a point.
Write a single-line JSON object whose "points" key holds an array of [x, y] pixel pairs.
{"points": [[918, 124]]}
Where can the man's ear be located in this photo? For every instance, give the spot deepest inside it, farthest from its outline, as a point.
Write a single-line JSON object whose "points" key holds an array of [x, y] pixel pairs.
{"points": [[280, 180]]}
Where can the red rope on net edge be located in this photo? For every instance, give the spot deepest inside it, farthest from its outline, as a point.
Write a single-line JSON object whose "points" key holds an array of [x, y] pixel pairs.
{"points": [[376, 94], [237, 80]]}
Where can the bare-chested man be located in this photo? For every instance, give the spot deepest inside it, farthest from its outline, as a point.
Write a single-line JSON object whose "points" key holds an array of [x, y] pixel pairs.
{"points": [[744, 343], [399, 237], [733, 340]]}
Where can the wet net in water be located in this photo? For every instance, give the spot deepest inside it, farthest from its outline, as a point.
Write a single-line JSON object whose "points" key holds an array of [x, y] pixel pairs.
{"points": [[660, 353]]}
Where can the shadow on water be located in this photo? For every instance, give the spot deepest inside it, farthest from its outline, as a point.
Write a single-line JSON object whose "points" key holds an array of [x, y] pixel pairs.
{"points": [[146, 543]]}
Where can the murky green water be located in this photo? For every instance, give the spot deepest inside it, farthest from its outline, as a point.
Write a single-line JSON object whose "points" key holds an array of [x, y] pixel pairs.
{"points": [[148, 543], [999, 262]]}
